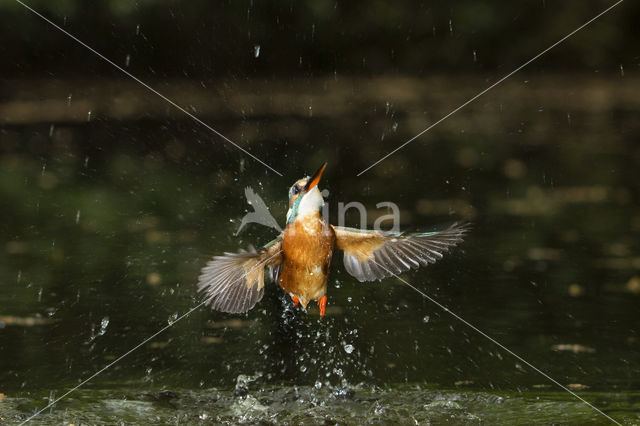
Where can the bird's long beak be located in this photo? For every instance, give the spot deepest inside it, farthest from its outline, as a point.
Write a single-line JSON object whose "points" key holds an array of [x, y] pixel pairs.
{"points": [[313, 181]]}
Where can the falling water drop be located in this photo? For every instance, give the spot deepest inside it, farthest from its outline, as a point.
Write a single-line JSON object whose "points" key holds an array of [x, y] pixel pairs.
{"points": [[138, 29], [348, 348], [172, 318], [51, 129], [475, 56], [104, 323], [621, 71], [256, 51], [52, 398], [69, 99], [19, 276], [450, 26], [426, 319], [89, 116], [77, 217], [127, 60]]}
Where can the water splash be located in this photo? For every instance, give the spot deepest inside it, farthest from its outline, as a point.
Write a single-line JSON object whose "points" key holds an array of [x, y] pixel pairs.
{"points": [[104, 323]]}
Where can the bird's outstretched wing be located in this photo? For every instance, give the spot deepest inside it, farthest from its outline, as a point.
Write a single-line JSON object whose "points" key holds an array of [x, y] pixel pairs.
{"points": [[234, 282], [374, 255]]}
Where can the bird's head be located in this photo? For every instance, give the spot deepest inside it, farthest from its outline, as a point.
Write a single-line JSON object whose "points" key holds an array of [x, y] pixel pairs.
{"points": [[305, 197]]}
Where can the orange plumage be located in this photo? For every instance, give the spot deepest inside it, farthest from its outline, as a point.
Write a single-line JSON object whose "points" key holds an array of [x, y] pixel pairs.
{"points": [[307, 246]]}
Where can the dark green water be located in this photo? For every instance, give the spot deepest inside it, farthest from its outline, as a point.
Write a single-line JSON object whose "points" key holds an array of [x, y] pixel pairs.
{"points": [[106, 224], [111, 202]]}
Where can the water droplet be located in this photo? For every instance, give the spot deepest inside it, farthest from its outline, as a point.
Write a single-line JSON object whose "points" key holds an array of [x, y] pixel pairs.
{"points": [[621, 71], [394, 127], [77, 217], [127, 60], [318, 384], [172, 318], [104, 323], [303, 368], [349, 348], [69, 99], [89, 116], [426, 319], [51, 129], [256, 51], [86, 161], [203, 416], [19, 275], [475, 56], [138, 29], [450, 26]]}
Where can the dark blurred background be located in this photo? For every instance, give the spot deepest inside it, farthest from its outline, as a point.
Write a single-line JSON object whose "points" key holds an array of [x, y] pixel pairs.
{"points": [[203, 39], [113, 199]]}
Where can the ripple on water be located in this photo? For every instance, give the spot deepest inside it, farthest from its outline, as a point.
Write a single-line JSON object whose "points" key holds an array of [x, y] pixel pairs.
{"points": [[321, 404]]}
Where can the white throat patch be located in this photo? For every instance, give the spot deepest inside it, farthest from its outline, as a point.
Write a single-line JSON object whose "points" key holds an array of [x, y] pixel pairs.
{"points": [[311, 203]]}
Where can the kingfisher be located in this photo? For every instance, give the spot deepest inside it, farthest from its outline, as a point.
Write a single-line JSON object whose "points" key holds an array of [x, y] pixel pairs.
{"points": [[299, 259]]}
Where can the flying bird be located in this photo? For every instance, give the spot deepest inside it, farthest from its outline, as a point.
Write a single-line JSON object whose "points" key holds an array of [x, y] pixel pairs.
{"points": [[299, 259]]}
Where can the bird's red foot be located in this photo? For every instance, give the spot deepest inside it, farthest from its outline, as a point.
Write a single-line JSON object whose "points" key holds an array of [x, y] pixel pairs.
{"points": [[295, 301], [322, 303]]}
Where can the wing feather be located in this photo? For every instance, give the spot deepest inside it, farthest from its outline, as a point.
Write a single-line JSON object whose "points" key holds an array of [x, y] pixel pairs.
{"points": [[373, 255], [234, 282]]}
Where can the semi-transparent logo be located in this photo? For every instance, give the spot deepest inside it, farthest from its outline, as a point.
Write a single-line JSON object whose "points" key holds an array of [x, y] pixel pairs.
{"points": [[261, 214]]}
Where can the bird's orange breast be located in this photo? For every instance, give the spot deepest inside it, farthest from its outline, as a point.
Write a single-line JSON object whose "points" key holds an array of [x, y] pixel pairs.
{"points": [[307, 246]]}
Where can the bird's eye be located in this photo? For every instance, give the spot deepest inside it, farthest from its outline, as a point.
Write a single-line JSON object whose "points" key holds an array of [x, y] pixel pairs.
{"points": [[296, 189]]}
